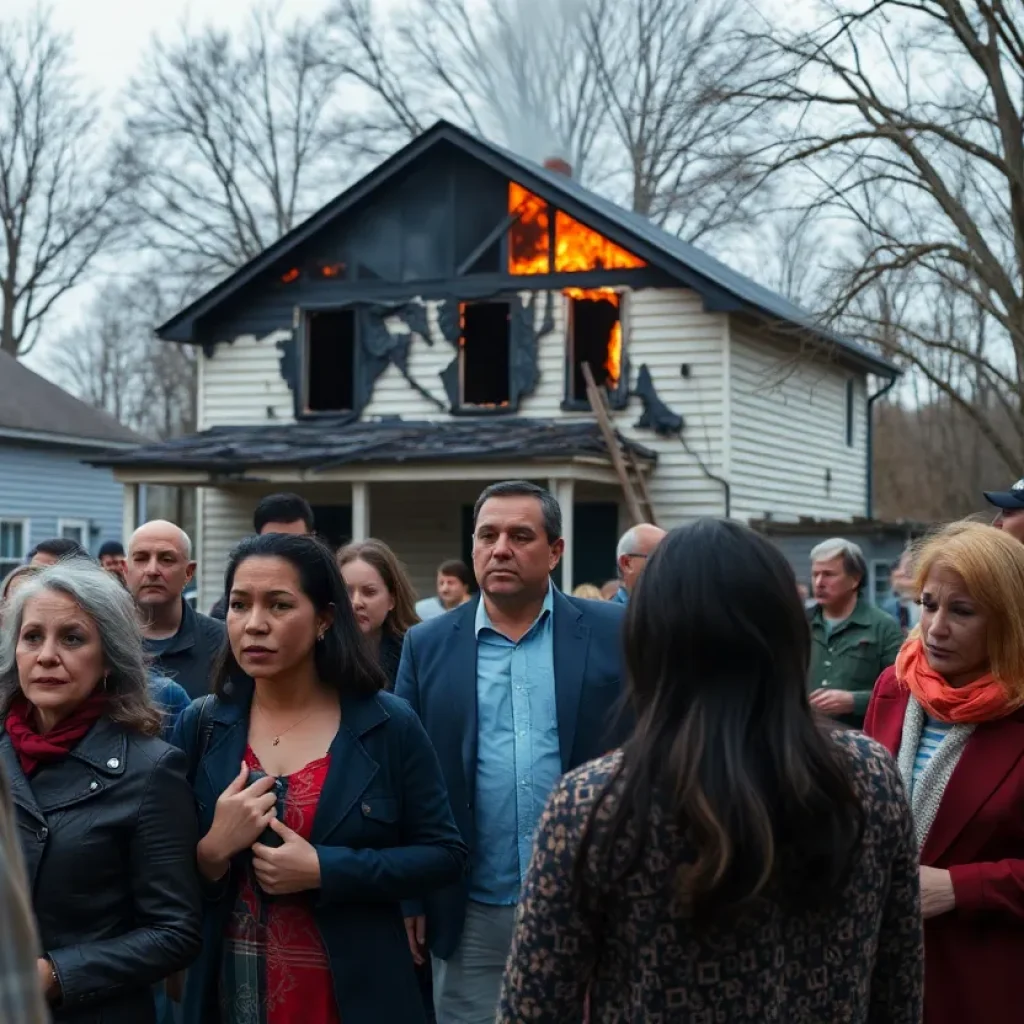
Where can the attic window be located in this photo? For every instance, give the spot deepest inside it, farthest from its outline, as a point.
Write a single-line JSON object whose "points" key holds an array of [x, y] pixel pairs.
{"points": [[484, 350], [330, 360], [594, 339]]}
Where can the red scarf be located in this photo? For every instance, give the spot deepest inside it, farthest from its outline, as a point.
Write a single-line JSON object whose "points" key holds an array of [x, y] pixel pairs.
{"points": [[34, 748], [985, 699]]}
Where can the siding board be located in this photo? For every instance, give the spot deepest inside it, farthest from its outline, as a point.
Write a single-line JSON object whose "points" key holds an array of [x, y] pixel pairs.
{"points": [[789, 430], [44, 484]]}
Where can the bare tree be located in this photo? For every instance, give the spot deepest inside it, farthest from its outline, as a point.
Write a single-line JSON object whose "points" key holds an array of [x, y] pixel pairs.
{"points": [[58, 196], [114, 362], [621, 88], [236, 138], [906, 117]]}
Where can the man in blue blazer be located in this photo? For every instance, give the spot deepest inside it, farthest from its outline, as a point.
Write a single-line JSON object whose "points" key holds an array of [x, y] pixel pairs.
{"points": [[514, 688]]}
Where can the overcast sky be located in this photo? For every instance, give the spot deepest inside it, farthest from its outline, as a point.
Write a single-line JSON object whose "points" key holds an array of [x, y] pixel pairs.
{"points": [[110, 38]]}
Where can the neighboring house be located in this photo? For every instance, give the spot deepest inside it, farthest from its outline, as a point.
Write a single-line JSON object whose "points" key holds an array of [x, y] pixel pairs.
{"points": [[423, 335], [46, 489], [881, 542]]}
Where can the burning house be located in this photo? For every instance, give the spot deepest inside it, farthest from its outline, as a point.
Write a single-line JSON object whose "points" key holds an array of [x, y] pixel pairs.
{"points": [[429, 331]]}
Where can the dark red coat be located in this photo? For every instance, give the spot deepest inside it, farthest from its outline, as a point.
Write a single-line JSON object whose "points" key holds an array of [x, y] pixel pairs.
{"points": [[974, 955]]}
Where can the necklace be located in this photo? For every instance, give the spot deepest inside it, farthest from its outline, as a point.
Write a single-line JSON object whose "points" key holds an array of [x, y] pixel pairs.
{"points": [[277, 738]]}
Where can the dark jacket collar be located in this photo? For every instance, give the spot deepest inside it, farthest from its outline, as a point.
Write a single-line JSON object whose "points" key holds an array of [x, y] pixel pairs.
{"points": [[390, 656], [185, 638]]}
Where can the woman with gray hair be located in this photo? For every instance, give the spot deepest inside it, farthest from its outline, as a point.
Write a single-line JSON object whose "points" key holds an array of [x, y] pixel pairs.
{"points": [[103, 809]]}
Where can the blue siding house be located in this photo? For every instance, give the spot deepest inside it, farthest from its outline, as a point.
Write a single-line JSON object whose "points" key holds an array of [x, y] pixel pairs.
{"points": [[46, 489]]}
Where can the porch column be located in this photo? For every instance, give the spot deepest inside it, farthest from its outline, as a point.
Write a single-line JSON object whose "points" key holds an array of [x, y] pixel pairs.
{"points": [[565, 492], [129, 510], [360, 510]]}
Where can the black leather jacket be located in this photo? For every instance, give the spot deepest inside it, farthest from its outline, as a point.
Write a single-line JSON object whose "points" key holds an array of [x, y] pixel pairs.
{"points": [[109, 838]]}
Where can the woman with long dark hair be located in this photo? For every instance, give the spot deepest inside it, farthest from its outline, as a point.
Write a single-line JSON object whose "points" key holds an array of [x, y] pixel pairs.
{"points": [[382, 598], [736, 859], [338, 813]]}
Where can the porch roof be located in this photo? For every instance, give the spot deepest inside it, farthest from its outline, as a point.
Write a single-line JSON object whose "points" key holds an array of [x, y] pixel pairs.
{"points": [[319, 445]]}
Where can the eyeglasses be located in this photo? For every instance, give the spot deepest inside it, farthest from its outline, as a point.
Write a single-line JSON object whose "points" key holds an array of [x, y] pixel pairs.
{"points": [[635, 554]]}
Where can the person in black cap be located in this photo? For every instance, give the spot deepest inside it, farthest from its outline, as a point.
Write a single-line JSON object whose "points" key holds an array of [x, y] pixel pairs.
{"points": [[1011, 509]]}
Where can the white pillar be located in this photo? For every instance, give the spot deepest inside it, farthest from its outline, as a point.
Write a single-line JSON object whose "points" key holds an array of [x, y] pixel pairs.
{"points": [[360, 510], [129, 511], [566, 498]]}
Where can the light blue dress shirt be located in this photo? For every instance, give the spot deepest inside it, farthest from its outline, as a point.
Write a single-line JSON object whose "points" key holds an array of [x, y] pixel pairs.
{"points": [[518, 760]]}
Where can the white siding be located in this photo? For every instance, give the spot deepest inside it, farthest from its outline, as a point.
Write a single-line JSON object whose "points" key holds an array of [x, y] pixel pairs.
{"points": [[788, 413], [392, 395], [667, 329], [241, 384], [225, 517]]}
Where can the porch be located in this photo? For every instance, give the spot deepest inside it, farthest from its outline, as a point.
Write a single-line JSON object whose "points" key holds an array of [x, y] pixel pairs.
{"points": [[414, 491]]}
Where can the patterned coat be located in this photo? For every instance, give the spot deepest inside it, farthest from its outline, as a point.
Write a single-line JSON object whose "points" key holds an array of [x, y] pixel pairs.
{"points": [[642, 960]]}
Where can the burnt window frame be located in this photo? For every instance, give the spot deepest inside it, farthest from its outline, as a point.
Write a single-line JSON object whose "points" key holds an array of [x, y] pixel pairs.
{"points": [[617, 399], [465, 409], [302, 410]]}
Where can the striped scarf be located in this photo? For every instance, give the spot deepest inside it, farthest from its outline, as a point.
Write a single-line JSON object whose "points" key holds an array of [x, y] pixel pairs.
{"points": [[926, 794]]}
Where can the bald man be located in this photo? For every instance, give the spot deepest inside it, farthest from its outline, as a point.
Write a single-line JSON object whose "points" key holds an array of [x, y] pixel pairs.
{"points": [[635, 547], [184, 644]]}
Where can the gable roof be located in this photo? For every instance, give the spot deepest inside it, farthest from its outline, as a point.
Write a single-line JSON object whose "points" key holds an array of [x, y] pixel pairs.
{"points": [[722, 288], [32, 408]]}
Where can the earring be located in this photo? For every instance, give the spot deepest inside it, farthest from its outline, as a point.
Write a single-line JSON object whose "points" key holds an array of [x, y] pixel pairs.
{"points": [[106, 676], [320, 636]]}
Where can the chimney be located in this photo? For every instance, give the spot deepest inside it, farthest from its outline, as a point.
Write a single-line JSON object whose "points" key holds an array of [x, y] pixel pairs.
{"points": [[558, 165]]}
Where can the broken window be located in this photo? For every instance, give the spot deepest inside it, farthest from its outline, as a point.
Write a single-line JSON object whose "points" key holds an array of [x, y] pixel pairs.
{"points": [[330, 360], [572, 247], [594, 340], [484, 349]]}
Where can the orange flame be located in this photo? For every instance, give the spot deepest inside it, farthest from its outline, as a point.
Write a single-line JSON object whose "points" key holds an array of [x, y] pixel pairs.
{"points": [[577, 247], [613, 361], [290, 275]]}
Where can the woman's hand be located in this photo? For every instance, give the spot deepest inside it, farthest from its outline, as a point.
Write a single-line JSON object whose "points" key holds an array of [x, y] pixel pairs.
{"points": [[47, 979], [936, 892], [291, 867], [239, 818]]}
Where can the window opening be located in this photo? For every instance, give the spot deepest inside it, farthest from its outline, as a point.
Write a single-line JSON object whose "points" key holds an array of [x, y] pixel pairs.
{"points": [[595, 339], [484, 348], [13, 544], [74, 529], [330, 360]]}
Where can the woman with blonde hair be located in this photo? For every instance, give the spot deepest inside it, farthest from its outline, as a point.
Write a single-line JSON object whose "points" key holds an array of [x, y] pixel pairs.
{"points": [[588, 591], [951, 710]]}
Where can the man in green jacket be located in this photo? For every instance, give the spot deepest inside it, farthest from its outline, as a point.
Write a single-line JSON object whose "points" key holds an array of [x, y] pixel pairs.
{"points": [[852, 641]]}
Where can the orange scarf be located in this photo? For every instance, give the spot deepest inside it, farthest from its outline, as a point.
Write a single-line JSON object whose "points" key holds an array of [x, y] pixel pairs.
{"points": [[983, 700]]}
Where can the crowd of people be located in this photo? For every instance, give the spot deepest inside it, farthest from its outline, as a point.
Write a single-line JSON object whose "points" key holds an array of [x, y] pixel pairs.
{"points": [[684, 796]]}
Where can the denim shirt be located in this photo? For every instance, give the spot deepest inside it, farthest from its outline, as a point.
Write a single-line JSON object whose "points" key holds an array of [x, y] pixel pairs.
{"points": [[518, 760]]}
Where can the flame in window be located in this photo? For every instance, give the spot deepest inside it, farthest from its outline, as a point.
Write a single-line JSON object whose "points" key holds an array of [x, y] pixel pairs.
{"points": [[290, 275], [577, 247], [613, 356]]}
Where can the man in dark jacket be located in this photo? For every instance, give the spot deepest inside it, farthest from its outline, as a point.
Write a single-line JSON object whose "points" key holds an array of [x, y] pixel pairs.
{"points": [[184, 643], [514, 688]]}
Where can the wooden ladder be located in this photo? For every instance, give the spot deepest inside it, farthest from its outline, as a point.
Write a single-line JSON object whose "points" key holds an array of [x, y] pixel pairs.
{"points": [[631, 477]]}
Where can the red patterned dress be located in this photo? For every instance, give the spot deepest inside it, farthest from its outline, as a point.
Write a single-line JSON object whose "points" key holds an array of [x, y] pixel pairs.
{"points": [[275, 968]]}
